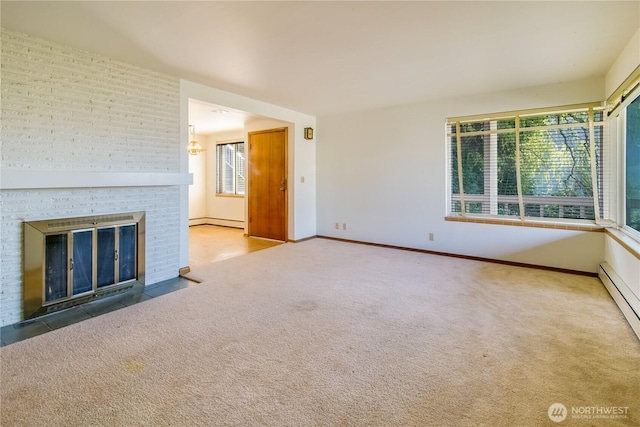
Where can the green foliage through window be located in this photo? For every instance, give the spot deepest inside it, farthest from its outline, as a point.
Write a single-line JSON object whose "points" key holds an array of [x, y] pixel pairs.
{"points": [[554, 162], [632, 163]]}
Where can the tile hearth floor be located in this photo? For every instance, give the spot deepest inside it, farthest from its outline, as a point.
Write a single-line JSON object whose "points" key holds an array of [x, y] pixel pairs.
{"points": [[30, 328]]}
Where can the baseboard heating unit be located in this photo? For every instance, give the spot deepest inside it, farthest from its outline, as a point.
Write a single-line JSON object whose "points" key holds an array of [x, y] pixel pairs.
{"points": [[628, 303]]}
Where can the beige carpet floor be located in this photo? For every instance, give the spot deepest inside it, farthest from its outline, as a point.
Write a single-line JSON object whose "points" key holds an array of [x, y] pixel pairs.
{"points": [[326, 333]]}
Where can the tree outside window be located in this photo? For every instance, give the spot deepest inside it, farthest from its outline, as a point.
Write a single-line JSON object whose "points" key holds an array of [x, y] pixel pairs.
{"points": [[632, 166], [553, 161]]}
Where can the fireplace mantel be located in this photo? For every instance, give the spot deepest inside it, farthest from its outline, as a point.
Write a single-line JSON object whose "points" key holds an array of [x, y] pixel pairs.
{"points": [[38, 179]]}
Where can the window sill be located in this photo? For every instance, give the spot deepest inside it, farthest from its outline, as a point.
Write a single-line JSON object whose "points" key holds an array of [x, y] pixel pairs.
{"points": [[626, 241], [529, 223]]}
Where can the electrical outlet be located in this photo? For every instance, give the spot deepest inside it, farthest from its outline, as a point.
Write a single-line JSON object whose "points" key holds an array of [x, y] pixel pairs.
{"points": [[432, 237], [344, 226], [337, 226]]}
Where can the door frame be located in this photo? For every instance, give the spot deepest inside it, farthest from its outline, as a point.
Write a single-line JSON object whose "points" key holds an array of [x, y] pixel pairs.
{"points": [[286, 177]]}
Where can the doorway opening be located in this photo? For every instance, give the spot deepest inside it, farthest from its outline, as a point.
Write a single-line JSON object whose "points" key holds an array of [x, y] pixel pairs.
{"points": [[218, 217]]}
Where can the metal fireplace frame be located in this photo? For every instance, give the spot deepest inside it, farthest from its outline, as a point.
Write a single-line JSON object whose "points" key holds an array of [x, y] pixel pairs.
{"points": [[34, 252]]}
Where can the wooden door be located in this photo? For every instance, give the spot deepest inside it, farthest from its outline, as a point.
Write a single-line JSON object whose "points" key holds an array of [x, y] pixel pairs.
{"points": [[267, 196]]}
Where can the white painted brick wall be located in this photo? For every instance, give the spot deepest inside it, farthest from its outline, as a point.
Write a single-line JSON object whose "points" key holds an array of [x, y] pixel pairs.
{"points": [[66, 109]]}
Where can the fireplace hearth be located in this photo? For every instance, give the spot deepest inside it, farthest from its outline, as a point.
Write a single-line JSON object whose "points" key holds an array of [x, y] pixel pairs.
{"points": [[71, 261]]}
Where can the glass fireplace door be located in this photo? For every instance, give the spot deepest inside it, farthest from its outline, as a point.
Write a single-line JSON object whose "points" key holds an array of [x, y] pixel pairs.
{"points": [[127, 252], [82, 261], [106, 256], [116, 257], [56, 269]]}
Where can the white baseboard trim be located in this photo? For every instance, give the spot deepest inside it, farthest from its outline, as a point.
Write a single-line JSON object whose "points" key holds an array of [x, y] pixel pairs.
{"points": [[197, 221], [216, 221], [619, 291]]}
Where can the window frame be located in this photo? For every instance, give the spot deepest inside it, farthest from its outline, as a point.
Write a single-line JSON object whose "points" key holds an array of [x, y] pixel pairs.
{"points": [[236, 169], [490, 195], [620, 114]]}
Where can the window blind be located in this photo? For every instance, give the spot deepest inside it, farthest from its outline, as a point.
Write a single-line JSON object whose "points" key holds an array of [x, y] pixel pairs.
{"points": [[230, 168], [528, 164]]}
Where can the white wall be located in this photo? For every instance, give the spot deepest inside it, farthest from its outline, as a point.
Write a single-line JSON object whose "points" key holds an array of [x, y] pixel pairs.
{"points": [[198, 190], [626, 266], [382, 172], [114, 127], [624, 65]]}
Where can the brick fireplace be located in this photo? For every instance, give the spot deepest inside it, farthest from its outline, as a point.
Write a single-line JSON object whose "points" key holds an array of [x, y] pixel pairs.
{"points": [[84, 135]]}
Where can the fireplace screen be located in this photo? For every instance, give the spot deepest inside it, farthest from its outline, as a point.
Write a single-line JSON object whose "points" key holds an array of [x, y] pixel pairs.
{"points": [[70, 261]]}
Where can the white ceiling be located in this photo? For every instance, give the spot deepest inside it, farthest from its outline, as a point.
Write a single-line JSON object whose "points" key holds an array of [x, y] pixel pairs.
{"points": [[332, 57], [209, 118]]}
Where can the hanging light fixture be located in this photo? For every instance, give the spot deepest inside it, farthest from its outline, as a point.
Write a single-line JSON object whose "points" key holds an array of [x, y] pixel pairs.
{"points": [[193, 148]]}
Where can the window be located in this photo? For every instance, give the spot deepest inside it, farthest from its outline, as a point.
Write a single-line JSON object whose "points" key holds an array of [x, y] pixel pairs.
{"points": [[632, 165], [230, 168], [530, 164], [624, 117]]}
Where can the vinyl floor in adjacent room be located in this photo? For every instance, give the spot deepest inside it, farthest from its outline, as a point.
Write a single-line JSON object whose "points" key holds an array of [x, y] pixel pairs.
{"points": [[211, 243], [207, 244]]}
